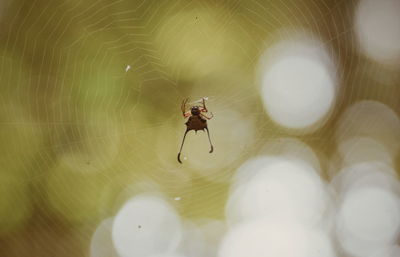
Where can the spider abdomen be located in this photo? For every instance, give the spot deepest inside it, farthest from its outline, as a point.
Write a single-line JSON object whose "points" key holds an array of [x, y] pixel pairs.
{"points": [[196, 123]]}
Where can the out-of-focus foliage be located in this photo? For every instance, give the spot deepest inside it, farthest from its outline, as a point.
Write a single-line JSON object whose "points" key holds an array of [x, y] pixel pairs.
{"points": [[90, 95]]}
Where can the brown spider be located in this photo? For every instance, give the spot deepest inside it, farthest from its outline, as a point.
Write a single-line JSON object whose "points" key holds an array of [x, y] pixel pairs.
{"points": [[196, 121]]}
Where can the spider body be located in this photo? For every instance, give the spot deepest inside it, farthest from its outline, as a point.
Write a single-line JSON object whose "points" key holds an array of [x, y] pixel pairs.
{"points": [[197, 121]]}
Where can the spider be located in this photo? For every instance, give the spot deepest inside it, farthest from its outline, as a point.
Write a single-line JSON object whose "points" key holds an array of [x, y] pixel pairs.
{"points": [[197, 121]]}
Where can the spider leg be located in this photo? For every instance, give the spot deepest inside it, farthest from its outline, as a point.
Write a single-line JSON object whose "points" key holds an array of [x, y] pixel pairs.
{"points": [[208, 118], [183, 107], [212, 147], [183, 141], [204, 109]]}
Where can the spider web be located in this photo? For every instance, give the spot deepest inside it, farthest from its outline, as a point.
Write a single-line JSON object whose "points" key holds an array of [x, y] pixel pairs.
{"points": [[91, 92]]}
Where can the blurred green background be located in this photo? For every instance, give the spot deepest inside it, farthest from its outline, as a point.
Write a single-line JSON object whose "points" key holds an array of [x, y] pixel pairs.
{"points": [[90, 95]]}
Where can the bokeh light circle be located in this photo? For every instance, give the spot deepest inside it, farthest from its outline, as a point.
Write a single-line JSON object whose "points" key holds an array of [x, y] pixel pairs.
{"points": [[146, 225], [281, 190], [298, 84], [377, 29], [270, 238], [368, 219]]}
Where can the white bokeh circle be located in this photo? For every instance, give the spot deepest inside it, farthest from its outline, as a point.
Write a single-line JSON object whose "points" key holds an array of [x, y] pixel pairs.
{"points": [[145, 226], [298, 84]]}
